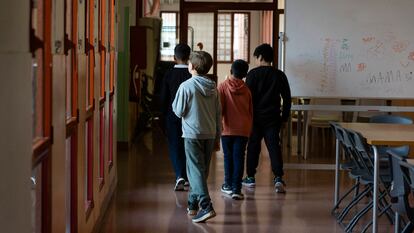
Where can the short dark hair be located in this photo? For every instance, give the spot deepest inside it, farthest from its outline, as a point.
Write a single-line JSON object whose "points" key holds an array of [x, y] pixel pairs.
{"points": [[239, 68], [182, 52], [201, 61], [266, 51]]}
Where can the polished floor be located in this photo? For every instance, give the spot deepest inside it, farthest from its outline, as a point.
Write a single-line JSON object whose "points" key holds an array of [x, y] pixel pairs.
{"points": [[145, 201]]}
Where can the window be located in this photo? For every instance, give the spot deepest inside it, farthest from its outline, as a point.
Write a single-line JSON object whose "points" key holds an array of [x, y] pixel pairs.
{"points": [[169, 35], [233, 37]]}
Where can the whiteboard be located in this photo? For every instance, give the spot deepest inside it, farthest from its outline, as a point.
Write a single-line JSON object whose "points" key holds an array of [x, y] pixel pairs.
{"points": [[350, 48]]}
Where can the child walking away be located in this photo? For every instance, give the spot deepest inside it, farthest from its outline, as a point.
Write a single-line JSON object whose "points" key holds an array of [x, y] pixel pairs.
{"points": [[197, 103], [268, 86], [172, 80], [237, 114]]}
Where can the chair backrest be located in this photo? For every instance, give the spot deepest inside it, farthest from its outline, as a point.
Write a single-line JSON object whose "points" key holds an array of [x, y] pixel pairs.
{"points": [[398, 188], [329, 115], [392, 119], [408, 174], [356, 149], [342, 138], [400, 185], [408, 171]]}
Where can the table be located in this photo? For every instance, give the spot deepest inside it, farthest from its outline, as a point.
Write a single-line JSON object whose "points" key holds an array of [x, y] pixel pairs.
{"points": [[340, 108], [376, 135]]}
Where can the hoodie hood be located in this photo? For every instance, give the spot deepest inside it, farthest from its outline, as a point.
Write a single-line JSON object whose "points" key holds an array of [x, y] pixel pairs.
{"points": [[206, 86], [236, 86]]}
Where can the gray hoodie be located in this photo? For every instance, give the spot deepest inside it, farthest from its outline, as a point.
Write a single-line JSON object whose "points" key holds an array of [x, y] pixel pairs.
{"points": [[198, 105]]}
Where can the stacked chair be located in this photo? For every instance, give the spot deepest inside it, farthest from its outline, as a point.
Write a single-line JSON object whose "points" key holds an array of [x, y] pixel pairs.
{"points": [[402, 204], [358, 162]]}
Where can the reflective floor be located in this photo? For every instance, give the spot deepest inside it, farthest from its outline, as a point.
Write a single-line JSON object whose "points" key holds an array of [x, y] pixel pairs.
{"points": [[145, 201]]}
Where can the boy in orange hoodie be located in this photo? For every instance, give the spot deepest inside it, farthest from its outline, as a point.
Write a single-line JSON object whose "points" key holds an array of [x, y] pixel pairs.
{"points": [[237, 116]]}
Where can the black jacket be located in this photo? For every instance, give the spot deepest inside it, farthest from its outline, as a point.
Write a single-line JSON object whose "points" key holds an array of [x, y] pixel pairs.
{"points": [[172, 80], [269, 86]]}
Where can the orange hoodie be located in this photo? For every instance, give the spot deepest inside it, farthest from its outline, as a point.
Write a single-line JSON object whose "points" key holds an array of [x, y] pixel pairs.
{"points": [[237, 107]]}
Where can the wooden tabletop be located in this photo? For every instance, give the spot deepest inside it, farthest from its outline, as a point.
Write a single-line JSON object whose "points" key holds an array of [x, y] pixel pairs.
{"points": [[384, 134], [410, 161]]}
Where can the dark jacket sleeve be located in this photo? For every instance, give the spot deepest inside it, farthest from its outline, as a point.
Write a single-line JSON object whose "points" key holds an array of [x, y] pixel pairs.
{"points": [[286, 97]]}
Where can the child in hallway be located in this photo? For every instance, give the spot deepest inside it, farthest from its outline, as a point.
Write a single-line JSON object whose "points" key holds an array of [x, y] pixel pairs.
{"points": [[268, 86], [197, 103], [237, 115], [172, 80]]}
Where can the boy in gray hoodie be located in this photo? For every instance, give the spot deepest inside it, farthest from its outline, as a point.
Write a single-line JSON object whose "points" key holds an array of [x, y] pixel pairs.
{"points": [[197, 103]]}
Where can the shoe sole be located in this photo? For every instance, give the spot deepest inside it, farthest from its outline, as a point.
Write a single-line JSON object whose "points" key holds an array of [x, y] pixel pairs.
{"points": [[237, 197], [204, 218], [249, 185], [226, 192]]}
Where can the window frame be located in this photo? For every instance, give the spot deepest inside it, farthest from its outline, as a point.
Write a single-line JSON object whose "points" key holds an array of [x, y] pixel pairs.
{"points": [[41, 146], [232, 13]]}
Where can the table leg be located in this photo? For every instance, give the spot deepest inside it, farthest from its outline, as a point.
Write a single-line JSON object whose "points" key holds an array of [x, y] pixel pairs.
{"points": [[376, 184], [336, 172], [397, 223], [299, 133]]}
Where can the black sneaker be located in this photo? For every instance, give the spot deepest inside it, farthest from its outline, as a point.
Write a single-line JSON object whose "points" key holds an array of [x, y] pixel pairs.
{"points": [[179, 184], [225, 188], [237, 196], [192, 209], [205, 214], [249, 182], [280, 186]]}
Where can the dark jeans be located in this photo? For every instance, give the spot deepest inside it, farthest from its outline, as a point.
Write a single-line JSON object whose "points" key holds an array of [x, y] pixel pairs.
{"points": [[176, 146], [234, 149], [272, 140]]}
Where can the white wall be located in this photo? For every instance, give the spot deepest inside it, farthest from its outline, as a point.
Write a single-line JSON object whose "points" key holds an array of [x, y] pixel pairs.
{"points": [[15, 117]]}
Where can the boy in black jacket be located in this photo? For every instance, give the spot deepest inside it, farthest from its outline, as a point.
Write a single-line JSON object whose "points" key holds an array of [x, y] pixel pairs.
{"points": [[172, 80], [268, 86]]}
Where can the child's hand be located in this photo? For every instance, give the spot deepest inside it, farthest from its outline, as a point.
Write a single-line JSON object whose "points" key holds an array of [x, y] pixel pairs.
{"points": [[217, 145]]}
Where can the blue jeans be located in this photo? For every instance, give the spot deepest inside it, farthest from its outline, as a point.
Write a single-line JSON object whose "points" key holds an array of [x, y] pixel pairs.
{"points": [[272, 140], [198, 152], [233, 148], [176, 146]]}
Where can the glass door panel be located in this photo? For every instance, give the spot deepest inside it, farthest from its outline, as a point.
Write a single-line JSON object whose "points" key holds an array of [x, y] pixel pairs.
{"points": [[203, 37]]}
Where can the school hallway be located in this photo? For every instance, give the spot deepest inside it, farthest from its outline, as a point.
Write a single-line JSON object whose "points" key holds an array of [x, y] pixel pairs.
{"points": [[145, 201]]}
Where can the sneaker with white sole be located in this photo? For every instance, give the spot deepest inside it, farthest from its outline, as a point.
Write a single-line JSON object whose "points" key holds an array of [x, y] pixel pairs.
{"points": [[280, 186], [204, 214], [225, 188], [179, 184], [249, 182]]}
